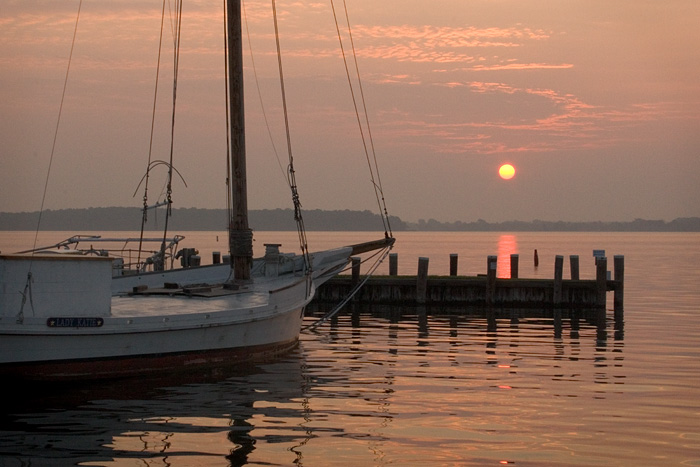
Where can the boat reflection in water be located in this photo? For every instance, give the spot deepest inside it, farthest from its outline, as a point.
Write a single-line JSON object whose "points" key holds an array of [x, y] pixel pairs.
{"points": [[193, 419]]}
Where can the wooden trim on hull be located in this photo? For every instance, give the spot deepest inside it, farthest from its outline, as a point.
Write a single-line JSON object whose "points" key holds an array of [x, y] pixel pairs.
{"points": [[122, 367]]}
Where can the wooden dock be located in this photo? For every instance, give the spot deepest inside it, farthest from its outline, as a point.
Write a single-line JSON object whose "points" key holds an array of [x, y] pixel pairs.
{"points": [[482, 290]]}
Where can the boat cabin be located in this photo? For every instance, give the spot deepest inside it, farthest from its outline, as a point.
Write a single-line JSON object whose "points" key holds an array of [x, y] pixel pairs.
{"points": [[55, 285]]}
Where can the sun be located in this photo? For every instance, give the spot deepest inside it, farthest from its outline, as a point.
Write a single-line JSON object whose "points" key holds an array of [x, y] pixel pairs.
{"points": [[506, 171]]}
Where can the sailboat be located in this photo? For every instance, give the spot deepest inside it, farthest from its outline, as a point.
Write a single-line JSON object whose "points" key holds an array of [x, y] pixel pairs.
{"points": [[65, 317]]}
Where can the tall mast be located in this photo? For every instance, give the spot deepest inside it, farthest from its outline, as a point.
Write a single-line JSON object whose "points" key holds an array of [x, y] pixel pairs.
{"points": [[240, 235]]}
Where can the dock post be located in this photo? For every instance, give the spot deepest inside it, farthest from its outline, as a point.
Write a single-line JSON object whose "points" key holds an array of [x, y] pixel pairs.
{"points": [[575, 324], [393, 264], [514, 260], [601, 278], [356, 261], [454, 258], [573, 265], [491, 263], [619, 265], [422, 280], [557, 323], [558, 278]]}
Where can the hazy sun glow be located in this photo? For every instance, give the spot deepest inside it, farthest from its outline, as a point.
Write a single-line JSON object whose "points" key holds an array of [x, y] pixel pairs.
{"points": [[506, 171]]}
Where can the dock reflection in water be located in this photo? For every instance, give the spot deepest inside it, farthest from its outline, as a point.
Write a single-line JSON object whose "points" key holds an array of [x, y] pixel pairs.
{"points": [[479, 387], [374, 386]]}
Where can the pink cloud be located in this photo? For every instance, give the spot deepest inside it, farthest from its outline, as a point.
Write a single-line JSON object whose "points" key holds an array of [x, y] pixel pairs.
{"points": [[571, 123], [522, 66]]}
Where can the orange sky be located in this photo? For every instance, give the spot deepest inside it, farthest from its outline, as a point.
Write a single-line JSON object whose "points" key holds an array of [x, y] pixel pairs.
{"points": [[596, 104]]}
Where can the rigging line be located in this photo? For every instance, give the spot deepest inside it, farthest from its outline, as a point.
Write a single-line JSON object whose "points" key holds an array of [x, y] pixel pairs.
{"points": [[173, 28], [260, 97], [58, 123], [144, 215], [292, 177], [27, 293], [352, 293], [364, 106], [357, 112], [373, 255], [176, 64], [380, 257]]}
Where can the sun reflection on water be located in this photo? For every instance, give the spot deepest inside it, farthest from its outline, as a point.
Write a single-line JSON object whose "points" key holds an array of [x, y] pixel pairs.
{"points": [[507, 245]]}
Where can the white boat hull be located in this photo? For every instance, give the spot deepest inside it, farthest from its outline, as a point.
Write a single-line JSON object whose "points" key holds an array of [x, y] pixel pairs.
{"points": [[95, 356], [142, 332], [73, 321]]}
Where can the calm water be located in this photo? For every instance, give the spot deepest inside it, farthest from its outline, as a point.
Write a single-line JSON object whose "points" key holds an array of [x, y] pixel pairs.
{"points": [[398, 386]]}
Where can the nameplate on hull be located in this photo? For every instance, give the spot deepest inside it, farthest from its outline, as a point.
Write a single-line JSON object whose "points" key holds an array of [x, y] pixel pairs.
{"points": [[77, 322]]}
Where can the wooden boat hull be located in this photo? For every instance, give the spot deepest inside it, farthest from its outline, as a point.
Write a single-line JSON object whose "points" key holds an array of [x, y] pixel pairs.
{"points": [[120, 367], [71, 327], [90, 355]]}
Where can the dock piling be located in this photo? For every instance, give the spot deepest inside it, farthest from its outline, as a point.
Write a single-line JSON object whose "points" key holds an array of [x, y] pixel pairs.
{"points": [[422, 280], [558, 278], [393, 264], [454, 258], [619, 294], [487, 289], [491, 264], [573, 265], [514, 260], [601, 277], [356, 261]]}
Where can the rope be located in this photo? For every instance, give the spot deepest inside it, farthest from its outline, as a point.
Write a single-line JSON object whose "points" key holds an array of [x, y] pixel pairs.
{"points": [[378, 190], [26, 293], [177, 28], [377, 185], [352, 293], [260, 97], [58, 123], [28, 285], [144, 214], [292, 175]]}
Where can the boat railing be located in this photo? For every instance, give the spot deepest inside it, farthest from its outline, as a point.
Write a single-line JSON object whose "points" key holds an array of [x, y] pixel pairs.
{"points": [[126, 258]]}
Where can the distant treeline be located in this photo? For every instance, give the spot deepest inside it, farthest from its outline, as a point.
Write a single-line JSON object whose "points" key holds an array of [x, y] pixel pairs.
{"points": [[184, 219], [683, 224]]}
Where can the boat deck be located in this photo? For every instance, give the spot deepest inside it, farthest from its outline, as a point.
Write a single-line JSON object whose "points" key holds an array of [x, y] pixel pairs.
{"points": [[161, 304]]}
